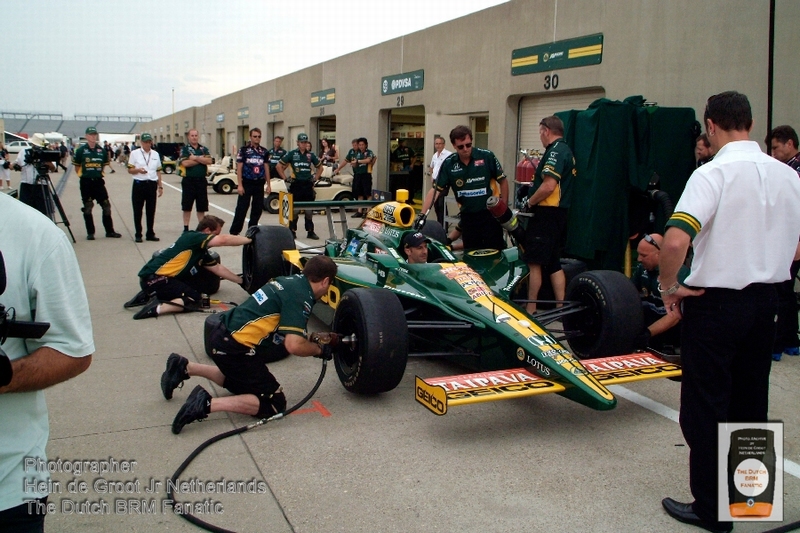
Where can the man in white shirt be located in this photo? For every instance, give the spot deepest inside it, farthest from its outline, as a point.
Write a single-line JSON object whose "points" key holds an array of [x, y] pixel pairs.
{"points": [[145, 167], [440, 154], [739, 211]]}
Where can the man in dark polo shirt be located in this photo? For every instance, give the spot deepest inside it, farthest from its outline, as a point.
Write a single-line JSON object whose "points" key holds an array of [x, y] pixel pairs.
{"points": [[240, 342], [89, 160], [251, 165], [474, 175], [172, 275], [302, 160], [193, 165], [362, 173], [549, 200], [275, 154]]}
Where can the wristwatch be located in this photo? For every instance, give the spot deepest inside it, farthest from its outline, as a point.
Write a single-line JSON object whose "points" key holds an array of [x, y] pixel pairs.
{"points": [[670, 291]]}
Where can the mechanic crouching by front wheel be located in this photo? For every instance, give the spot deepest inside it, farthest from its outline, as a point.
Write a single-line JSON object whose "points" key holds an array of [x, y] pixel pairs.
{"points": [[172, 278], [241, 341]]}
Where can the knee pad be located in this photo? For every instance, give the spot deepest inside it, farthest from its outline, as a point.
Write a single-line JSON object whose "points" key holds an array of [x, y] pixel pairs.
{"points": [[271, 404], [87, 207], [106, 205]]}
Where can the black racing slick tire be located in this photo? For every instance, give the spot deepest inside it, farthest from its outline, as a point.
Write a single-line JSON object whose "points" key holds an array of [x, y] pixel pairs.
{"points": [[262, 259], [613, 316], [272, 203], [376, 361], [433, 230]]}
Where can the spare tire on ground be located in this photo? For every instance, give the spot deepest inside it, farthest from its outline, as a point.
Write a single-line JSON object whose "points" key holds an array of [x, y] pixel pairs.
{"points": [[612, 318], [262, 259]]}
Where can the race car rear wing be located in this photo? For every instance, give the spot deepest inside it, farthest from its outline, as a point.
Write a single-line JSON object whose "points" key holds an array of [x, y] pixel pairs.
{"points": [[439, 393]]}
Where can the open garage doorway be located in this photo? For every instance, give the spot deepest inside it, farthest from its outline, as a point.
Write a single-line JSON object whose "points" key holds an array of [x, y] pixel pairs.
{"points": [[326, 129], [406, 149]]}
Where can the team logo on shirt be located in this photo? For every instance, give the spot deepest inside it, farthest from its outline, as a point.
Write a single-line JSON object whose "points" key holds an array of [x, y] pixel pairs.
{"points": [[260, 297], [459, 183], [479, 162]]}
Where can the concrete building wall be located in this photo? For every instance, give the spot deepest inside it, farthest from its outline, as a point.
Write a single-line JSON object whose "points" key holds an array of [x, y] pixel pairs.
{"points": [[675, 53]]}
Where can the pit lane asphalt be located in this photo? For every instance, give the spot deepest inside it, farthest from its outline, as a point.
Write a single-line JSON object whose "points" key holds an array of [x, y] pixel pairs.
{"points": [[350, 463]]}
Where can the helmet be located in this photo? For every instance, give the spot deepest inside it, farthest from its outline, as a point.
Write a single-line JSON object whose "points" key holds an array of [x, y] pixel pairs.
{"points": [[38, 139]]}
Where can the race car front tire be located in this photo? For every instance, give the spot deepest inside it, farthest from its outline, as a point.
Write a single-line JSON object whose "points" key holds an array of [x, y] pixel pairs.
{"points": [[262, 259], [376, 361], [613, 316]]}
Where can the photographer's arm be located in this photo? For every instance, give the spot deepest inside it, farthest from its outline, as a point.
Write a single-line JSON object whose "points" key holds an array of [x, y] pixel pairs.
{"points": [[44, 368]]}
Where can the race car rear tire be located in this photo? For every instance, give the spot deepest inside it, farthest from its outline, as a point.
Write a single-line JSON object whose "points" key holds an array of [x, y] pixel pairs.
{"points": [[272, 203], [613, 316], [376, 361], [262, 259], [433, 230]]}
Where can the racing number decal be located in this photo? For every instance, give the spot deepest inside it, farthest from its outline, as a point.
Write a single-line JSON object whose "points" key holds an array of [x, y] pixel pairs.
{"points": [[285, 199], [332, 298]]}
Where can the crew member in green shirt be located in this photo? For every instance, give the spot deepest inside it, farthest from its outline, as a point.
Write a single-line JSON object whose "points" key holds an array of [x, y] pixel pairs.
{"points": [[89, 160], [302, 160], [194, 163]]}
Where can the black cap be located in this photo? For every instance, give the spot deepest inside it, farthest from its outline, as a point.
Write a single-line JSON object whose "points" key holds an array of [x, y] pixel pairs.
{"points": [[415, 239]]}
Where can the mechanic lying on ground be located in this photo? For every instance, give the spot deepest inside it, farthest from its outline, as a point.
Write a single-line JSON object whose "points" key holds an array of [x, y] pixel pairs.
{"points": [[659, 332], [241, 340], [415, 246], [172, 275]]}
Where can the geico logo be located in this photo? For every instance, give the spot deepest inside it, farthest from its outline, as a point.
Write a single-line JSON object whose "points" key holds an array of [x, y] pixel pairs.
{"points": [[427, 397], [633, 372], [502, 389]]}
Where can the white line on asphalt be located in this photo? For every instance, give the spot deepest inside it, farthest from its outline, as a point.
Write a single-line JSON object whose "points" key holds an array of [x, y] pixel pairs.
{"points": [[171, 186], [790, 467]]}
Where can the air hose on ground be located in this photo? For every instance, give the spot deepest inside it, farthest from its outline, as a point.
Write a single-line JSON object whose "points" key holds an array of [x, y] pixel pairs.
{"points": [[192, 456]]}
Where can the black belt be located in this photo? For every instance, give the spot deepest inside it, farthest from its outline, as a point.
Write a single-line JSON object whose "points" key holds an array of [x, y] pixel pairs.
{"points": [[145, 181]]}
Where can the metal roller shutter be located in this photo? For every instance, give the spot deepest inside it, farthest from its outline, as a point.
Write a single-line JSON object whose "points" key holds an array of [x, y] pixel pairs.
{"points": [[533, 109]]}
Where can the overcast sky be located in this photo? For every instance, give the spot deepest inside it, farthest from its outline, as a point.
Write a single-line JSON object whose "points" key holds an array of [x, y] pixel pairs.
{"points": [[91, 57]]}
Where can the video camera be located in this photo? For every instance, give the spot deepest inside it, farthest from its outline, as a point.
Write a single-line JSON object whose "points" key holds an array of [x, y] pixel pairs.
{"points": [[36, 154], [10, 327]]}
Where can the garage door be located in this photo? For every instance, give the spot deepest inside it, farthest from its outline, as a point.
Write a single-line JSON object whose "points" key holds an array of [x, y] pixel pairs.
{"points": [[532, 109]]}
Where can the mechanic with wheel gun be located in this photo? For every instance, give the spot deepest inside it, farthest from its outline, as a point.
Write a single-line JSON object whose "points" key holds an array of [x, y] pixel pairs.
{"points": [[302, 187], [172, 276], [241, 341], [659, 332], [474, 175], [549, 200]]}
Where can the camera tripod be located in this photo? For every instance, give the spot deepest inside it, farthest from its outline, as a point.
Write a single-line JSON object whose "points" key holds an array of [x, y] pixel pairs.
{"points": [[50, 200]]}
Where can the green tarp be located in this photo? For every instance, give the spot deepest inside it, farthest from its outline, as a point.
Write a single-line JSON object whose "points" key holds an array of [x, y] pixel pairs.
{"points": [[618, 148]]}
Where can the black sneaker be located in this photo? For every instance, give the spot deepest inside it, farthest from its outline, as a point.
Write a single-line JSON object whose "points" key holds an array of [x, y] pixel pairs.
{"points": [[113, 234], [313, 236], [150, 310], [138, 238], [90, 237], [175, 374], [139, 300], [196, 407], [152, 238]]}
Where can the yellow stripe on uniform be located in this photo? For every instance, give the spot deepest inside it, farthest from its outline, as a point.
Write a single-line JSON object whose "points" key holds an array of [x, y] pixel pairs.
{"points": [[686, 218]]}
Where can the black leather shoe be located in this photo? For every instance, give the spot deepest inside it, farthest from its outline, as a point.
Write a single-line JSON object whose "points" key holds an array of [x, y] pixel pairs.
{"points": [[138, 238], [683, 512], [90, 237], [113, 234], [152, 238]]}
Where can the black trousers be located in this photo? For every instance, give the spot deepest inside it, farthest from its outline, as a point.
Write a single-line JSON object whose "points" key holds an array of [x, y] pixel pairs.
{"points": [[726, 353], [143, 195], [24, 519], [253, 197], [303, 191]]}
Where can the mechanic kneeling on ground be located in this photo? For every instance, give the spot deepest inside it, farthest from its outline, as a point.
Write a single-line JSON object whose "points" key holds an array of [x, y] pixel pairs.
{"points": [[415, 246], [240, 340], [172, 274], [660, 332]]}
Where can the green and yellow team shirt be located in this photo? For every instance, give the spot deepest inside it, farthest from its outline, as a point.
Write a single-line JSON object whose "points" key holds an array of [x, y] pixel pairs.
{"points": [[182, 259], [557, 163], [364, 168], [89, 162], [302, 164], [281, 306], [472, 183], [197, 171]]}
